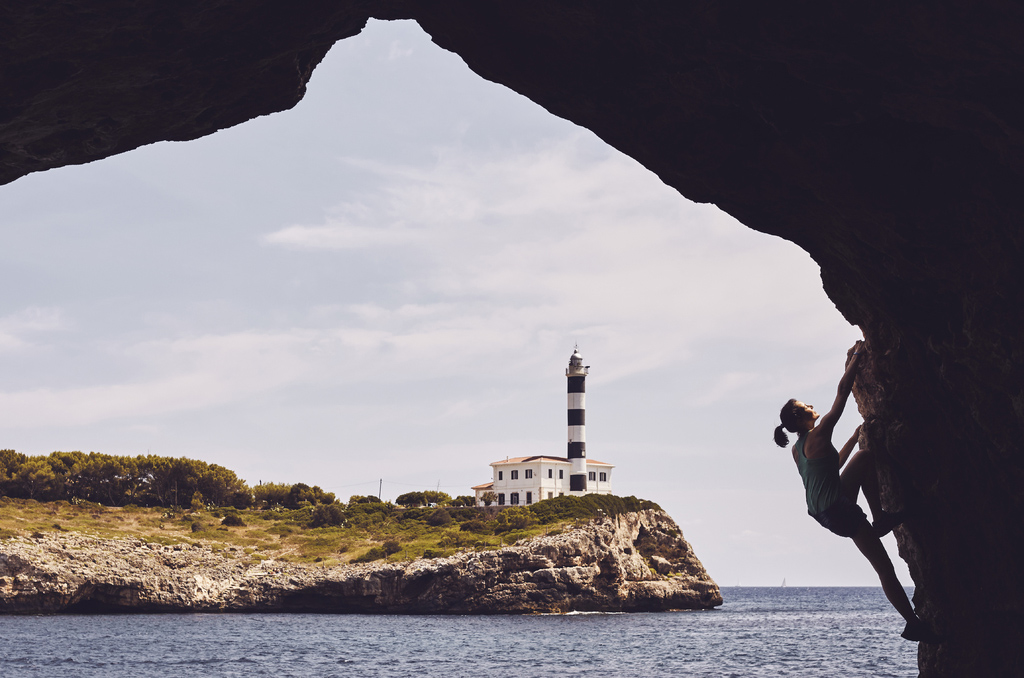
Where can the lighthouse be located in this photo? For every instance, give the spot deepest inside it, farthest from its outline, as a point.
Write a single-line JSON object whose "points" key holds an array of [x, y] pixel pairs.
{"points": [[525, 480], [577, 376]]}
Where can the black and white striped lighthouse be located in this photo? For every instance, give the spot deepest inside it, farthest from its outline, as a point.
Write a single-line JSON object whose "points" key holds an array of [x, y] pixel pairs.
{"points": [[577, 375]]}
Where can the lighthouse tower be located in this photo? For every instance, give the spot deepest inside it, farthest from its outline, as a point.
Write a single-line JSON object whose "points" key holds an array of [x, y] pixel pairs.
{"points": [[577, 375]]}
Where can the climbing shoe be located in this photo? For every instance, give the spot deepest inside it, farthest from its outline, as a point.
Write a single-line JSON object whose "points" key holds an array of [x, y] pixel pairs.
{"points": [[919, 632], [884, 523]]}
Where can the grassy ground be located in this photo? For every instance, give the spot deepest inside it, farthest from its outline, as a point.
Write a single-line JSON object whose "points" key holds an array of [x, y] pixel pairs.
{"points": [[394, 534]]}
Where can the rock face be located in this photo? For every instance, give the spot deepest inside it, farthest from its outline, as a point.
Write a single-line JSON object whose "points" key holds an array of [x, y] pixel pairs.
{"points": [[886, 139], [600, 566]]}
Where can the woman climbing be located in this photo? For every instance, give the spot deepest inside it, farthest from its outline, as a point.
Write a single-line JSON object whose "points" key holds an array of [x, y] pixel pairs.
{"points": [[832, 497]]}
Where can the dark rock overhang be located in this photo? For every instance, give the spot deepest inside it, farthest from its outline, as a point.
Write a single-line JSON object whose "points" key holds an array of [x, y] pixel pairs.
{"points": [[886, 139]]}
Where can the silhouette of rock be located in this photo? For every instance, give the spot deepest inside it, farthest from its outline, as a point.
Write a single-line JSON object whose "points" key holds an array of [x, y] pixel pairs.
{"points": [[886, 139]]}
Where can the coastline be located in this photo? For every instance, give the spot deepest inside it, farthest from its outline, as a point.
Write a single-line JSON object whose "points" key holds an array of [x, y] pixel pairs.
{"points": [[596, 567]]}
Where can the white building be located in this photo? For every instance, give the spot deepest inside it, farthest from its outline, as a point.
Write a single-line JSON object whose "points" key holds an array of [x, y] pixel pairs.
{"points": [[525, 480]]}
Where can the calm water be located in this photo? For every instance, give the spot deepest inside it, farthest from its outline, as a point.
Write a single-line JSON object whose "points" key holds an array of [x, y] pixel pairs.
{"points": [[757, 632]]}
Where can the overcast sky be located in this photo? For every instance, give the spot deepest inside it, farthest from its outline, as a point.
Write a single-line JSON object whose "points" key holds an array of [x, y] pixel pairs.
{"points": [[386, 283]]}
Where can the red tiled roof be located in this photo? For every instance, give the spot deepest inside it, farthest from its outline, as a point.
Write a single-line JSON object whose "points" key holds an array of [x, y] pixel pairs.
{"points": [[485, 486], [542, 457], [519, 460]]}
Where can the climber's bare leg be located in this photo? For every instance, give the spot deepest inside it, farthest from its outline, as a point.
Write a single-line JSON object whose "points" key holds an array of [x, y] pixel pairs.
{"points": [[860, 474], [872, 548]]}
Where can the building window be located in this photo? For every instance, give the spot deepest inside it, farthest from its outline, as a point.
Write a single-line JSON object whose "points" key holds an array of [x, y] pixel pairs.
{"points": [[514, 497], [499, 475], [551, 473], [561, 474], [529, 497], [529, 474], [501, 499], [604, 477], [561, 494], [551, 495], [514, 475], [591, 476]]}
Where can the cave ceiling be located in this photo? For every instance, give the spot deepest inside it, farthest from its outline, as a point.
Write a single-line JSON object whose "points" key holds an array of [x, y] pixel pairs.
{"points": [[886, 139]]}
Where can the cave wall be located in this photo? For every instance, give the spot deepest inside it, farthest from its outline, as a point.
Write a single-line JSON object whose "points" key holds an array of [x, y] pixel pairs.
{"points": [[886, 140]]}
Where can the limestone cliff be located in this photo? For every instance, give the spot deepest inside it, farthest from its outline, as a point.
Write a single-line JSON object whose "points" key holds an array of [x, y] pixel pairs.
{"points": [[604, 565]]}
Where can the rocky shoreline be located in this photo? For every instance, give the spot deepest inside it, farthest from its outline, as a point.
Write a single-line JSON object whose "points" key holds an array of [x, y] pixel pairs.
{"points": [[632, 562]]}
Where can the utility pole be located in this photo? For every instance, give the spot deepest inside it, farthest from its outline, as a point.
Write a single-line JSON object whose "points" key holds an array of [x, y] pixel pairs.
{"points": [[380, 489]]}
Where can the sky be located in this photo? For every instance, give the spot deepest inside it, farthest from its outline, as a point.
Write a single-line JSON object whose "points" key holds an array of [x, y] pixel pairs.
{"points": [[380, 289]]}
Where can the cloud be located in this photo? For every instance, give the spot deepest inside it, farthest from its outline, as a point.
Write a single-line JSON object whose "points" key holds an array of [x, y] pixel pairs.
{"points": [[181, 374], [494, 261], [398, 51], [337, 236], [32, 320], [567, 240], [343, 231]]}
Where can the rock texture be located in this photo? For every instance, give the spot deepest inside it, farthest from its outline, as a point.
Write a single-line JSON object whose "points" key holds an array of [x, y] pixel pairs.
{"points": [[886, 139], [596, 567]]}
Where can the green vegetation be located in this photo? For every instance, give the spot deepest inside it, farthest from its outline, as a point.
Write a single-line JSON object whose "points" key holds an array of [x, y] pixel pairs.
{"points": [[179, 500], [143, 480], [364, 530]]}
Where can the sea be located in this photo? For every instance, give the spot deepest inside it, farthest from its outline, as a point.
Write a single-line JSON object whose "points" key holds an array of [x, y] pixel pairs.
{"points": [[779, 631]]}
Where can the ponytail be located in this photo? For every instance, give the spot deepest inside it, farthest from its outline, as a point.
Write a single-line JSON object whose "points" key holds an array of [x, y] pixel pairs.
{"points": [[790, 422]]}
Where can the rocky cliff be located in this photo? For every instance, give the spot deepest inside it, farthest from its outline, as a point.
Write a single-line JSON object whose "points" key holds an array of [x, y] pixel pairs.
{"points": [[633, 562], [886, 139]]}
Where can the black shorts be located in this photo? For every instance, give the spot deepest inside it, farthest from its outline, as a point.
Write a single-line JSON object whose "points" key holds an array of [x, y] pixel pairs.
{"points": [[843, 517]]}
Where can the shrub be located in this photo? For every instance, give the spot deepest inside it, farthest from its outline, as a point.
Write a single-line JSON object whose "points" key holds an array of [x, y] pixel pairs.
{"points": [[241, 499], [391, 546], [435, 497], [375, 553], [414, 514], [410, 499], [271, 494], [450, 540], [439, 517], [233, 520], [463, 513], [475, 525], [586, 507], [432, 553], [515, 518], [327, 515], [369, 513], [197, 526]]}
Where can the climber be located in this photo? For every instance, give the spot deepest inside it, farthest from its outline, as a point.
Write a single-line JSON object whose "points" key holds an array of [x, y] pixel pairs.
{"points": [[832, 497]]}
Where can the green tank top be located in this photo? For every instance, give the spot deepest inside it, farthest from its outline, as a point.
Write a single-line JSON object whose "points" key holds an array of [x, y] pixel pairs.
{"points": [[820, 476]]}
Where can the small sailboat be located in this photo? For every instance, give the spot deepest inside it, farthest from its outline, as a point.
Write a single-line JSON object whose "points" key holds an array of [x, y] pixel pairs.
{"points": [[783, 582]]}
